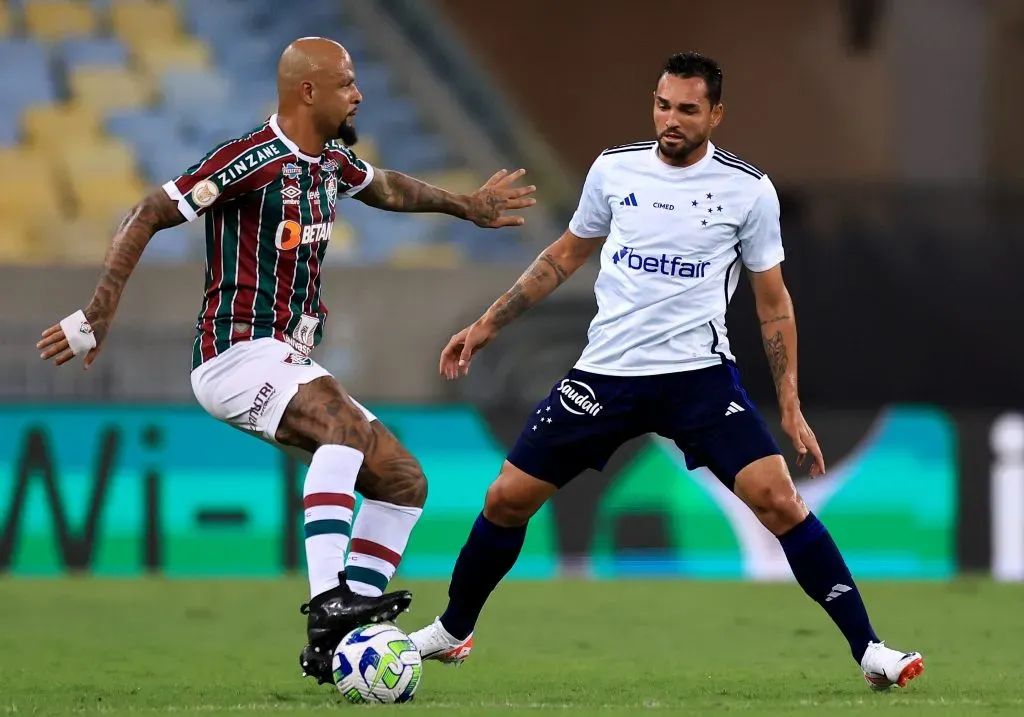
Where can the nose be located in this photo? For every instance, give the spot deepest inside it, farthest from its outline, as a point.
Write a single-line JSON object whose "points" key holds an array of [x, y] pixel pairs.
{"points": [[358, 97]]}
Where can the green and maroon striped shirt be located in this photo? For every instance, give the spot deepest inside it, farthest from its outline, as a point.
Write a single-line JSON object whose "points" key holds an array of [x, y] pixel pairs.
{"points": [[269, 211]]}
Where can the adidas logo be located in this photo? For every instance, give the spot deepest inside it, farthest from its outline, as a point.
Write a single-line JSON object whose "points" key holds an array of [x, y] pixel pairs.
{"points": [[837, 590], [734, 408], [629, 201]]}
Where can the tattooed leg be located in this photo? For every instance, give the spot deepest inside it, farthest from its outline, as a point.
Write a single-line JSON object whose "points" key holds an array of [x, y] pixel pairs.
{"points": [[323, 419], [322, 414]]}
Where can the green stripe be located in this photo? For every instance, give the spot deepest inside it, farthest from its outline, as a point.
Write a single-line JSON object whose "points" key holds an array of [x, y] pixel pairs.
{"points": [[367, 576], [266, 253], [197, 352], [229, 282], [321, 253], [328, 527], [304, 251]]}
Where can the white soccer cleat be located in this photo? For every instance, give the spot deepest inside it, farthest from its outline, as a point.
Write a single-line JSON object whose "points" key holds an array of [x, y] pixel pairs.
{"points": [[884, 667], [435, 643]]}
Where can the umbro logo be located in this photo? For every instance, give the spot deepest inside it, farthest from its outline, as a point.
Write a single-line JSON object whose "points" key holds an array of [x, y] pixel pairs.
{"points": [[290, 194], [629, 201], [734, 408]]}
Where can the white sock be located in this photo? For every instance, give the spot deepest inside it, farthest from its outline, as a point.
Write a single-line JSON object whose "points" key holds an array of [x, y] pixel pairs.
{"points": [[328, 498], [379, 537]]}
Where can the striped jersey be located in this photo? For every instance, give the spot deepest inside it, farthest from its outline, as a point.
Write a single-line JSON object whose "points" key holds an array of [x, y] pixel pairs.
{"points": [[676, 237], [269, 211]]}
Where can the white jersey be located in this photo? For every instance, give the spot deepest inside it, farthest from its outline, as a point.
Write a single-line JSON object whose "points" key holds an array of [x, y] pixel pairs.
{"points": [[676, 237]]}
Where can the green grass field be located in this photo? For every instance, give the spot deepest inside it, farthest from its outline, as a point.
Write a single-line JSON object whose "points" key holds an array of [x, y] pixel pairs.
{"points": [[218, 647]]}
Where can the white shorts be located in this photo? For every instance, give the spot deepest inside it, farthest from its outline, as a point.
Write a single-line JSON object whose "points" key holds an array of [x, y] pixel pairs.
{"points": [[250, 385]]}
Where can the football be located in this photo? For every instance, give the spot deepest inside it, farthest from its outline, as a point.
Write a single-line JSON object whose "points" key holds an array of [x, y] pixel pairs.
{"points": [[377, 664]]}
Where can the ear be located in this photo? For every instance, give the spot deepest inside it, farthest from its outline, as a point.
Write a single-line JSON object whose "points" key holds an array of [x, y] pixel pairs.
{"points": [[717, 112], [306, 91]]}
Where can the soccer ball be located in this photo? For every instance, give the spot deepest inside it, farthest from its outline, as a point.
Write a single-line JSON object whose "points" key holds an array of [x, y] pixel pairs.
{"points": [[377, 663]]}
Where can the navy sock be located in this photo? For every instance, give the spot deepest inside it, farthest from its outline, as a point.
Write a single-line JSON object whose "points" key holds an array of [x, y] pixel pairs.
{"points": [[488, 555], [821, 571]]}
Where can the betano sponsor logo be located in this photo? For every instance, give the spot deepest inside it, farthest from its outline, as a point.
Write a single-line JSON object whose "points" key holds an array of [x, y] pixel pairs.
{"points": [[290, 234]]}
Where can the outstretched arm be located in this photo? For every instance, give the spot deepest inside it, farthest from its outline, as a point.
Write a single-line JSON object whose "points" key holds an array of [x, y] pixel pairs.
{"points": [[778, 333], [157, 211], [396, 192], [547, 272]]}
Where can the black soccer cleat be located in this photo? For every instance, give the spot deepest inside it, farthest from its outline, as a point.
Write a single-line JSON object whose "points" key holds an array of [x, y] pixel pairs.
{"points": [[337, 612], [317, 664]]}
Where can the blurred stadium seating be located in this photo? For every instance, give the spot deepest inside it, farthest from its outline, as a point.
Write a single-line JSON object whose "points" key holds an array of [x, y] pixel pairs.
{"points": [[111, 98]]}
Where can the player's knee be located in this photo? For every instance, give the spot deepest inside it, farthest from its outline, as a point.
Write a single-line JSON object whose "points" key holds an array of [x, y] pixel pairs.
{"points": [[508, 505], [779, 507]]}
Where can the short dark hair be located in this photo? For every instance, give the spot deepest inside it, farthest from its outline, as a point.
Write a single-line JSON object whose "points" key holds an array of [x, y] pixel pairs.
{"points": [[694, 64]]}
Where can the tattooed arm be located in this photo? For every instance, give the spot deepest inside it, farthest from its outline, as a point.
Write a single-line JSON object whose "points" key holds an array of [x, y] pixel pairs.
{"points": [[396, 192], [157, 211], [547, 272], [778, 333]]}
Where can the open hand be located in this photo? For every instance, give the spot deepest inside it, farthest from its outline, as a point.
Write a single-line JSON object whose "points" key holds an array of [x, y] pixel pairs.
{"points": [[54, 344], [456, 356], [488, 205], [804, 440]]}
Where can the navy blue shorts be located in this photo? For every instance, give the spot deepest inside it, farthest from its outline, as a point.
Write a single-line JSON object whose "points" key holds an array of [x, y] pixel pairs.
{"points": [[587, 416]]}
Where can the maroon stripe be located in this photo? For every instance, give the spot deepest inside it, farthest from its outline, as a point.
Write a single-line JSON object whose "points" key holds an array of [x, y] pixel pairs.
{"points": [[314, 500], [248, 261], [332, 217], [206, 344], [284, 272], [351, 175], [313, 265], [374, 550]]}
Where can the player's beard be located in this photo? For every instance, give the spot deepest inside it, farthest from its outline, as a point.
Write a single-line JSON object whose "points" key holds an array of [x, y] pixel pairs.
{"points": [[683, 150], [347, 132]]}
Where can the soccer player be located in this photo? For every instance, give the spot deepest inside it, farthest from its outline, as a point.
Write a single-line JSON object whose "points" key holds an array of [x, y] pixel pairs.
{"points": [[269, 201], [674, 219]]}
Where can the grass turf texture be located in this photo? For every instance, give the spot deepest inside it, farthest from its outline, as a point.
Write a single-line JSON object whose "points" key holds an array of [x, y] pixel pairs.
{"points": [[611, 648]]}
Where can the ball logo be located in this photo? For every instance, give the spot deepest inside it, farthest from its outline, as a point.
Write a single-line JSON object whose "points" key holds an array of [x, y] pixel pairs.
{"points": [[205, 193], [289, 235], [578, 398]]}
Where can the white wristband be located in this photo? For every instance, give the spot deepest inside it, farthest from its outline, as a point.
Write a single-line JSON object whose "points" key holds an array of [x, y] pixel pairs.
{"points": [[78, 331]]}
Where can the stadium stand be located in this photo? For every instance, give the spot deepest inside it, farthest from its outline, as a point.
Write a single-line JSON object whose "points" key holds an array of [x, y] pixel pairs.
{"points": [[114, 97]]}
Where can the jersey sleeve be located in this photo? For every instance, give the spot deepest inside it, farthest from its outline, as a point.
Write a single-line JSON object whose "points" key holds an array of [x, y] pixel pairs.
{"points": [[593, 215], [761, 235], [229, 171], [354, 174]]}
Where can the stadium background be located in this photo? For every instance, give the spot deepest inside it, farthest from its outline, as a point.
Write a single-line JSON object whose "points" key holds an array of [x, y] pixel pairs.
{"points": [[891, 129]]}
